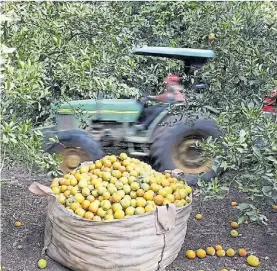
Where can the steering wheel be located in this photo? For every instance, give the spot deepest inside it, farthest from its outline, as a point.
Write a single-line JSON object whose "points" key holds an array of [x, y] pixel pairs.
{"points": [[143, 99]]}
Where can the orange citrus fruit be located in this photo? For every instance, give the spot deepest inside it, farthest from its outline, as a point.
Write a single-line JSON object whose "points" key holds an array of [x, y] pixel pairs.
{"points": [[242, 252], [230, 252], [201, 253], [253, 260], [220, 253], [190, 254], [210, 251]]}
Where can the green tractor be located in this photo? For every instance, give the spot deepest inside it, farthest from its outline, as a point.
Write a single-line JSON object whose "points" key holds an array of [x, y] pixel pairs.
{"points": [[112, 121]]}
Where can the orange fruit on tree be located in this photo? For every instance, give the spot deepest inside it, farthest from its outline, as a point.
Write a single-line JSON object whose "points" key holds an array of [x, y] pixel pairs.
{"points": [[210, 251], [220, 253], [201, 253], [190, 254], [211, 36], [230, 252], [242, 252]]}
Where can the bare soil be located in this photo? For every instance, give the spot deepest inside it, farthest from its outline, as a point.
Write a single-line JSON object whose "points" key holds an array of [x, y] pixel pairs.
{"points": [[22, 246]]}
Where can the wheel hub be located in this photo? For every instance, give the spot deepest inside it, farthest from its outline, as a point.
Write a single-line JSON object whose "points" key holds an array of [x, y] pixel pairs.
{"points": [[72, 158], [188, 157]]}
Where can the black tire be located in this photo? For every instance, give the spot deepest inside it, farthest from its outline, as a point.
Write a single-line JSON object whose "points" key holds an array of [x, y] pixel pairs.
{"points": [[167, 139], [80, 141]]}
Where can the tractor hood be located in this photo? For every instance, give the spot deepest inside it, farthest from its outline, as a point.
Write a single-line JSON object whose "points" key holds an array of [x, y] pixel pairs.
{"points": [[120, 110], [195, 55]]}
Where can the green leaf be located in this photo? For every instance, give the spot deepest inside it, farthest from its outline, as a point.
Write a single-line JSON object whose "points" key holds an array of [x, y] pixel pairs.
{"points": [[243, 206], [242, 219]]}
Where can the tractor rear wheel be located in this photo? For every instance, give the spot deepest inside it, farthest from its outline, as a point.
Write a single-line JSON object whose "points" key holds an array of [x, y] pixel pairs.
{"points": [[75, 147], [175, 148]]}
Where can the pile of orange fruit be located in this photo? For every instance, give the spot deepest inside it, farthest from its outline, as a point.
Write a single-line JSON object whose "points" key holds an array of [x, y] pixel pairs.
{"points": [[117, 187]]}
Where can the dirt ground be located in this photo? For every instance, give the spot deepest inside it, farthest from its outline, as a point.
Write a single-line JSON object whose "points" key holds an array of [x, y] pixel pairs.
{"points": [[22, 246]]}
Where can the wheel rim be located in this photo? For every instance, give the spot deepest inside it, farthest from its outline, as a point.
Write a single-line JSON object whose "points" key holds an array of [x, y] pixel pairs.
{"points": [[72, 158], [188, 157]]}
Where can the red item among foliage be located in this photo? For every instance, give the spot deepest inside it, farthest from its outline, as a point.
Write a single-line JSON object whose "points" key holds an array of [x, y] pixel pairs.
{"points": [[270, 103], [172, 79]]}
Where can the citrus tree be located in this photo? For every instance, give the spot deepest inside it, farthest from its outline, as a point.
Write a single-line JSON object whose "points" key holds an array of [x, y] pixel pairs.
{"points": [[58, 51]]}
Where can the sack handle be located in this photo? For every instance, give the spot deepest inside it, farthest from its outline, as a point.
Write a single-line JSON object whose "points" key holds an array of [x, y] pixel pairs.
{"points": [[41, 190], [166, 216]]}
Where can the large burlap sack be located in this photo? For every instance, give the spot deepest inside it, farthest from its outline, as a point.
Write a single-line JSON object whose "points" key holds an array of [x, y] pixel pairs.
{"points": [[147, 242]]}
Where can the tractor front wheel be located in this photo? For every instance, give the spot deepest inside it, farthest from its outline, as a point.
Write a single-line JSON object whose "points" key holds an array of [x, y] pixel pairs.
{"points": [[75, 147], [179, 147]]}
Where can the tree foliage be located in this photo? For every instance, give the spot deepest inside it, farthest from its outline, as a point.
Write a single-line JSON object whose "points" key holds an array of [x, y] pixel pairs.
{"points": [[55, 51]]}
